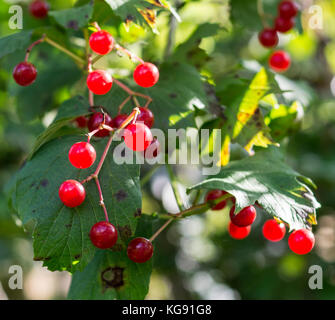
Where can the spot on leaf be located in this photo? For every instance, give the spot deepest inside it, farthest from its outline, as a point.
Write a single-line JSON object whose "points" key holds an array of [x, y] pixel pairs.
{"points": [[112, 277], [125, 232], [121, 195]]}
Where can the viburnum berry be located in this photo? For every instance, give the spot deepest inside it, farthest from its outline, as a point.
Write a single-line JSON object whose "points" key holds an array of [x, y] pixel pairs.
{"points": [[301, 241], [118, 120], [287, 9], [24, 73], [140, 250], [273, 231], [137, 136], [146, 116], [72, 193], [82, 155], [153, 150], [146, 74], [99, 82], [268, 38], [238, 233], [244, 218], [103, 235], [279, 61], [284, 25], [101, 42], [96, 120], [81, 122], [214, 194], [39, 9]]}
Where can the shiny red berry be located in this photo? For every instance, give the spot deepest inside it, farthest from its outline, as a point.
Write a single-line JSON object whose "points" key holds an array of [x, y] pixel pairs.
{"points": [[101, 42], [137, 136], [118, 120], [96, 120], [268, 38], [39, 9], [72, 193], [273, 231], [238, 233], [146, 74], [24, 73], [146, 116], [103, 235], [214, 194], [279, 61], [244, 218], [153, 150], [287, 9], [284, 25], [82, 155], [99, 82], [140, 250], [301, 241], [81, 122]]}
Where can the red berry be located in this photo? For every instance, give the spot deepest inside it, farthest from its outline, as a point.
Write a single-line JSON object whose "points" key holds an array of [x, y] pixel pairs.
{"points": [[274, 231], [39, 9], [103, 235], [140, 250], [279, 61], [301, 241], [268, 38], [146, 74], [214, 194], [146, 116], [244, 218], [72, 193], [284, 25], [101, 42], [238, 233], [137, 136], [153, 150], [96, 120], [99, 81], [81, 122], [82, 155], [24, 73], [287, 9], [118, 120]]}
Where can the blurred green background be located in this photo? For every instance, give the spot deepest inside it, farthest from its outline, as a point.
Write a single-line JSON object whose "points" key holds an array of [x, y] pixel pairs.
{"points": [[196, 258]]}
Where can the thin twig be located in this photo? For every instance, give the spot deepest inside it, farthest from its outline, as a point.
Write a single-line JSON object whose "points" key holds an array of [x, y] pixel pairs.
{"points": [[101, 198], [32, 46]]}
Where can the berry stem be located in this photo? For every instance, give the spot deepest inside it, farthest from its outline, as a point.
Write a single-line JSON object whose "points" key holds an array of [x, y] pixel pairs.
{"points": [[174, 184], [133, 93], [78, 59], [32, 46], [101, 198], [128, 53], [197, 209], [125, 101], [262, 14], [149, 174]]}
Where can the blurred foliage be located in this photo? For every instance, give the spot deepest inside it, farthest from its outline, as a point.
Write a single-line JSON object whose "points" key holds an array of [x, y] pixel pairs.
{"points": [[195, 258]]}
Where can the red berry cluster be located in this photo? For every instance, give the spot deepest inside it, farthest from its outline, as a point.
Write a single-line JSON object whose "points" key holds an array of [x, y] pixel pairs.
{"points": [[100, 82], [103, 234], [300, 241], [279, 60]]}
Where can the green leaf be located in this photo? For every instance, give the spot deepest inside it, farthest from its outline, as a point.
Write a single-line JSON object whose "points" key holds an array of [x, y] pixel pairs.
{"points": [[189, 50], [61, 234], [140, 11], [74, 18], [14, 42], [266, 178], [112, 275], [68, 111], [174, 96]]}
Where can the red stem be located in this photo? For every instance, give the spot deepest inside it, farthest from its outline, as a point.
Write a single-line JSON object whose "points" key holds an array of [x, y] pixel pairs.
{"points": [[32, 46], [101, 198]]}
